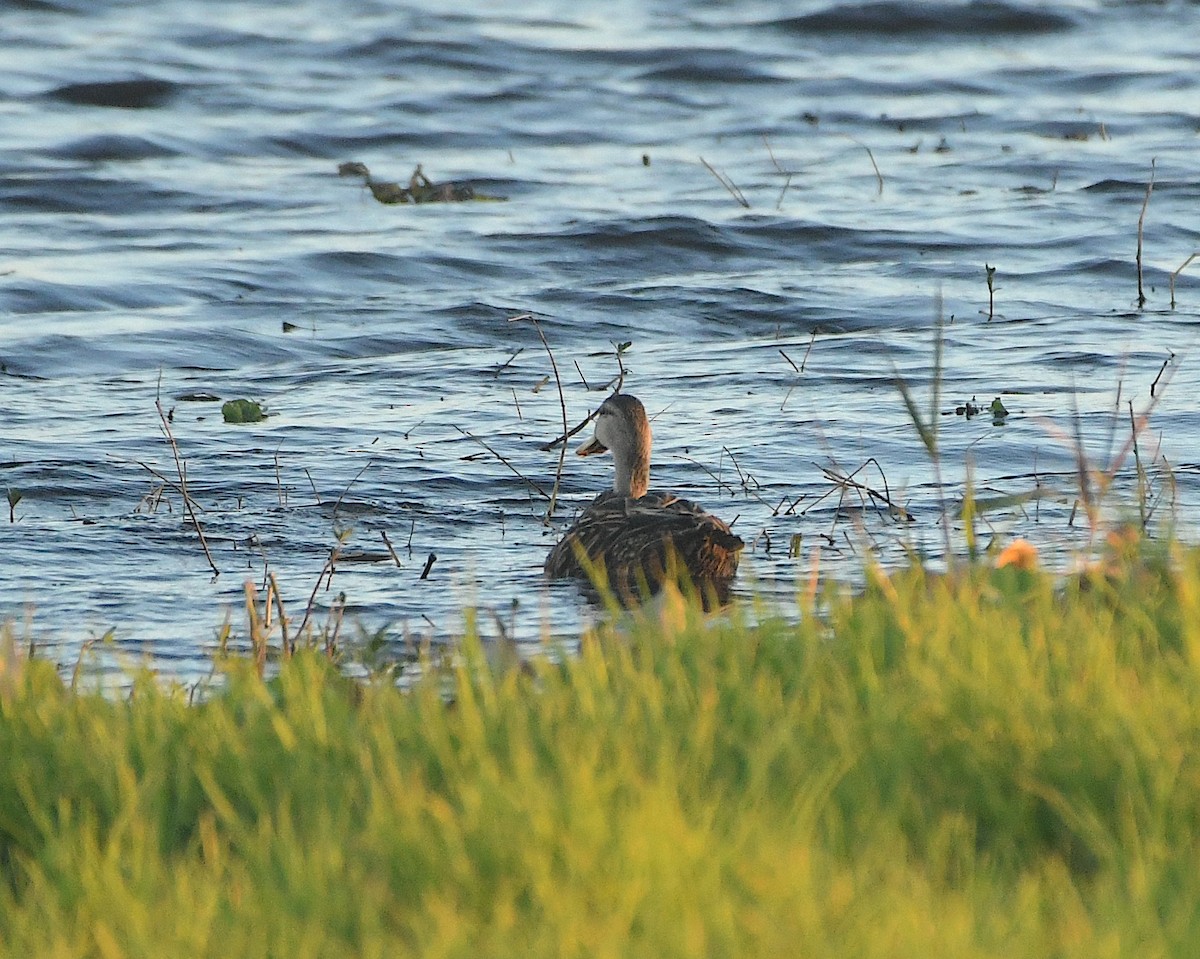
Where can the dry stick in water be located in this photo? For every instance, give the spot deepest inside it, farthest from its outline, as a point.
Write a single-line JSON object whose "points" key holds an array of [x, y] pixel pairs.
{"points": [[313, 485], [563, 437], [1162, 369], [312, 597], [467, 433], [279, 480], [428, 566], [716, 479], [1141, 223], [182, 471], [388, 543], [787, 182], [991, 283], [619, 380], [846, 481], [507, 363], [871, 157], [348, 485], [811, 340], [799, 369], [728, 184], [562, 402], [1175, 275]]}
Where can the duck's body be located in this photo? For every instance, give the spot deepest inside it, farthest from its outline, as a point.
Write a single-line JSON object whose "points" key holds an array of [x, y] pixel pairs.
{"points": [[632, 539]]}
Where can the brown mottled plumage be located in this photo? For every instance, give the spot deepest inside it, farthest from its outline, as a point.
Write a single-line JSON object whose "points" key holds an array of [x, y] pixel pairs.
{"points": [[634, 539]]}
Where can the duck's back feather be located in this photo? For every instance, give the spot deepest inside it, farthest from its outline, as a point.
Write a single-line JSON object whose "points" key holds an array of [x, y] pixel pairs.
{"points": [[635, 543]]}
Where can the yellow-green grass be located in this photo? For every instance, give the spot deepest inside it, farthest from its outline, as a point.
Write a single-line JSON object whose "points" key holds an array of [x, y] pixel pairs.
{"points": [[993, 763]]}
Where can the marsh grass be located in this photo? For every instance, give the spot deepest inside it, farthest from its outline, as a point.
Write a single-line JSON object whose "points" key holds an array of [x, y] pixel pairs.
{"points": [[990, 762]]}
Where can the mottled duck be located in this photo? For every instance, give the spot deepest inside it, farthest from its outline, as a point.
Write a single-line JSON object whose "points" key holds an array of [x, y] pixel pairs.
{"points": [[632, 540]]}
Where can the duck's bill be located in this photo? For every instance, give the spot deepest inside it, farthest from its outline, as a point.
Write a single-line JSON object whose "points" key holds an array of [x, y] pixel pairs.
{"points": [[591, 447]]}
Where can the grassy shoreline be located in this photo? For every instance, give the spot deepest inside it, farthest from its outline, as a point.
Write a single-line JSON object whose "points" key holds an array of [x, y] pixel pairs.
{"points": [[992, 763]]}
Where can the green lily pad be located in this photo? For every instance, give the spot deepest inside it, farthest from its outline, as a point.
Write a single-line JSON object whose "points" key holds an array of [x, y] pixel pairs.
{"points": [[242, 411]]}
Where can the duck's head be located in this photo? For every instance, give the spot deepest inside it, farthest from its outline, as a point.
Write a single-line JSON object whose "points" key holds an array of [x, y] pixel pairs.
{"points": [[623, 429]]}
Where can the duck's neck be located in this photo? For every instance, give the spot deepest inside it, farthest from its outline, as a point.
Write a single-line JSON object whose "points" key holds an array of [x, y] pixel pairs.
{"points": [[632, 474]]}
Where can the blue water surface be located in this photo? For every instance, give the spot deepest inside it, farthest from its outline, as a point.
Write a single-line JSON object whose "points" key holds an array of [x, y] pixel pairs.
{"points": [[776, 206]]}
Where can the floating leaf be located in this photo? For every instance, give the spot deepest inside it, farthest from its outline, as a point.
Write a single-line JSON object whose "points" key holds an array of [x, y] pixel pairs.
{"points": [[242, 411], [997, 410]]}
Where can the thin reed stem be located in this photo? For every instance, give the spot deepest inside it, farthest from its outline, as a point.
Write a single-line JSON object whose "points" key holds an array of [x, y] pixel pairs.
{"points": [[1175, 275], [1140, 225], [180, 468], [871, 157], [541, 492], [728, 184], [562, 402]]}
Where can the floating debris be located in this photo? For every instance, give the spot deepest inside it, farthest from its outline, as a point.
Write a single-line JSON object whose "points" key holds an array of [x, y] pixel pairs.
{"points": [[420, 188]]}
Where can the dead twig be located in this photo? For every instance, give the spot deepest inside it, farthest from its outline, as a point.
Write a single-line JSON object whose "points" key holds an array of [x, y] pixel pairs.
{"points": [[327, 569], [619, 380], [786, 174], [721, 484], [1166, 363], [1175, 275], [181, 469], [467, 433], [871, 157], [811, 340], [728, 184], [1141, 224], [563, 437], [279, 481], [847, 481], [507, 363], [388, 543], [562, 402], [313, 485], [348, 485]]}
